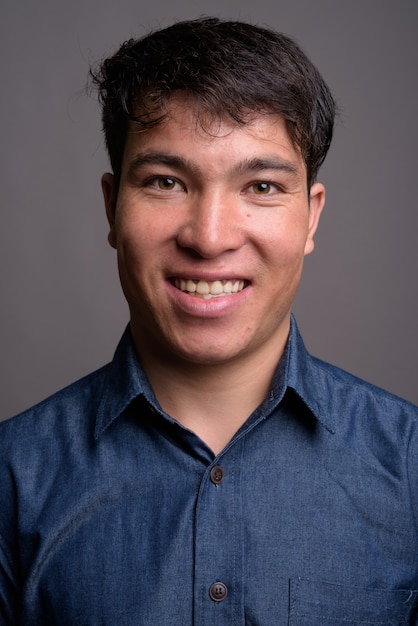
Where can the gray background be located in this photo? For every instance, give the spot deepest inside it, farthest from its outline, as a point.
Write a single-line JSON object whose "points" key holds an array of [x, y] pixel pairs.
{"points": [[62, 310]]}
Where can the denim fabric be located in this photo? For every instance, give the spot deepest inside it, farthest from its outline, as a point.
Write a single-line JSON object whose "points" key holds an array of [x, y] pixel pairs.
{"points": [[109, 515]]}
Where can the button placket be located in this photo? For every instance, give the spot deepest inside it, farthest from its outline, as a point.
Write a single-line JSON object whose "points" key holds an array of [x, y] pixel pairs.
{"points": [[218, 553]]}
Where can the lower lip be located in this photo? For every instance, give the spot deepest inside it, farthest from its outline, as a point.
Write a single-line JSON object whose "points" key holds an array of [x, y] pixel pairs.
{"points": [[211, 308]]}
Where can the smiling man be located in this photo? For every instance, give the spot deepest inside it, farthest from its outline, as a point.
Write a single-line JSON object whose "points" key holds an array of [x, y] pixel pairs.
{"points": [[211, 226], [214, 473]]}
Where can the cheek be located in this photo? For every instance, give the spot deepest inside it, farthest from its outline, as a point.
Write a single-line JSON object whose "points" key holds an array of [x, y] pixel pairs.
{"points": [[132, 251], [143, 224], [285, 247], [141, 252], [134, 234]]}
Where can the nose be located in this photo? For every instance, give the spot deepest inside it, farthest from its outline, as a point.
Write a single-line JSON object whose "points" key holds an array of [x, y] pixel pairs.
{"points": [[213, 225]]}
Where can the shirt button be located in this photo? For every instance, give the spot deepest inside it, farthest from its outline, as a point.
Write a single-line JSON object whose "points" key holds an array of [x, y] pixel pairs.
{"points": [[218, 592], [217, 474]]}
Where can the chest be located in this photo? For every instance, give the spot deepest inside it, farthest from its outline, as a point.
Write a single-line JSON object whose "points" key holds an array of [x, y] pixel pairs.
{"points": [[280, 529]]}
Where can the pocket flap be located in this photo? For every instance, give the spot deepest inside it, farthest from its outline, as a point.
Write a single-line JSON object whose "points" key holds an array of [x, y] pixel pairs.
{"points": [[318, 604]]}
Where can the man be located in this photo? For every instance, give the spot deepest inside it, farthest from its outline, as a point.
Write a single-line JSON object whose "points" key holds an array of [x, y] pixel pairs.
{"points": [[213, 473]]}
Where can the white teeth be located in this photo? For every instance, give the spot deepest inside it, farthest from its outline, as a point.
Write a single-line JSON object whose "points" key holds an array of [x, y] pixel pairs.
{"points": [[190, 286], [203, 288], [216, 288], [208, 290]]}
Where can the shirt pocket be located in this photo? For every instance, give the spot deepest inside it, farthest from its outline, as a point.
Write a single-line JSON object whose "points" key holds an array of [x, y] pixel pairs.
{"points": [[326, 604]]}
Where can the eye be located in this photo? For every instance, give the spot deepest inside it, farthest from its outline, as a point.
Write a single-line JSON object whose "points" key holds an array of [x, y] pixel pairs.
{"points": [[165, 183], [262, 189]]}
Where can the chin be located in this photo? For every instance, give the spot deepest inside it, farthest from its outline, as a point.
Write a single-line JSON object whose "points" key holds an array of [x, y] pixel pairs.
{"points": [[201, 352]]}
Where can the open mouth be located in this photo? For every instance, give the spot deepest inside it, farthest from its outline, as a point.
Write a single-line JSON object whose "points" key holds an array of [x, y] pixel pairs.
{"points": [[212, 289]]}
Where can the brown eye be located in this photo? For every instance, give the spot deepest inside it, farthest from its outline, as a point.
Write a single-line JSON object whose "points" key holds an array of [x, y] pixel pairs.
{"points": [[166, 184], [262, 188]]}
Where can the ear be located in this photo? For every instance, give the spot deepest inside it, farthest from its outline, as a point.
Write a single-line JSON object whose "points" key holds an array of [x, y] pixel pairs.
{"points": [[316, 204], [110, 204]]}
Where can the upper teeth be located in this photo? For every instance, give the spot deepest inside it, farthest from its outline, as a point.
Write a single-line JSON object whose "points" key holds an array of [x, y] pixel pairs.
{"points": [[205, 289]]}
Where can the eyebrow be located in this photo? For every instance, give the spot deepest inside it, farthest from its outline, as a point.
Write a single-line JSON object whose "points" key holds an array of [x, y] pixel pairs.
{"points": [[266, 163], [160, 158], [255, 164]]}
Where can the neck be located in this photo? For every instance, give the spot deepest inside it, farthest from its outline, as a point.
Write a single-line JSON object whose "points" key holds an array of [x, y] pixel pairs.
{"points": [[211, 400]]}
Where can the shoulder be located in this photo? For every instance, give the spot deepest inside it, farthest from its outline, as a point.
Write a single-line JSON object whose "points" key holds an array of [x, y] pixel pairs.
{"points": [[342, 401], [38, 443], [345, 390], [373, 429], [39, 450], [370, 421], [74, 406]]}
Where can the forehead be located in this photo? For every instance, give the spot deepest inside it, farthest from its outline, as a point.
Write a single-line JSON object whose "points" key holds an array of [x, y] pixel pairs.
{"points": [[187, 130]]}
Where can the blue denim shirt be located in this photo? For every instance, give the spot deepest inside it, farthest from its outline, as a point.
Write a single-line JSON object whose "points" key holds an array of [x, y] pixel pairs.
{"points": [[111, 513]]}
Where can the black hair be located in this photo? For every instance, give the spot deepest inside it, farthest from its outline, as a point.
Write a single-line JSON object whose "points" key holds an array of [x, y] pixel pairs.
{"points": [[228, 69]]}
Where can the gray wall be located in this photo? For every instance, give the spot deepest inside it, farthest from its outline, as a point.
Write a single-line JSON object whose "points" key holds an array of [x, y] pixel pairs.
{"points": [[62, 310]]}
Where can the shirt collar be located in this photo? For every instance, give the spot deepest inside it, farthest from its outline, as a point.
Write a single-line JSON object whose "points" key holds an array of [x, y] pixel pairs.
{"points": [[125, 380], [306, 378]]}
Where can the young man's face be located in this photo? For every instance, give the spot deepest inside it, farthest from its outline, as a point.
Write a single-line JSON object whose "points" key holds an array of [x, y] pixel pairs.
{"points": [[211, 229]]}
